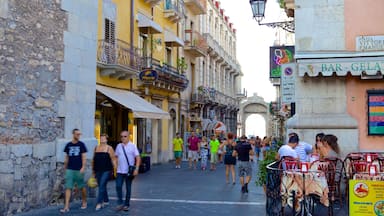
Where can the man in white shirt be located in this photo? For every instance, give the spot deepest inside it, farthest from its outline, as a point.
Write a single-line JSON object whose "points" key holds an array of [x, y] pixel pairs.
{"points": [[127, 155], [288, 150]]}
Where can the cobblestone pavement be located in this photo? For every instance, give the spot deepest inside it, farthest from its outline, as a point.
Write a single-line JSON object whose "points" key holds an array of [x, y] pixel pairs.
{"points": [[168, 191]]}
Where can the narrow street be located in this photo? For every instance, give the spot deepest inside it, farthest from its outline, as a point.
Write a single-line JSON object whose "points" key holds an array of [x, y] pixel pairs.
{"points": [[168, 191]]}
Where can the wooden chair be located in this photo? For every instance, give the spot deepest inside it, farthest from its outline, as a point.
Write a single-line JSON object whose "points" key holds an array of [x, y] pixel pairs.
{"points": [[288, 163], [380, 161], [339, 176], [370, 156], [359, 166]]}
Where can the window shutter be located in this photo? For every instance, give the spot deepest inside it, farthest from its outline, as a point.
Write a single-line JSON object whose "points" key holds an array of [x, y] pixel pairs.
{"points": [[110, 31]]}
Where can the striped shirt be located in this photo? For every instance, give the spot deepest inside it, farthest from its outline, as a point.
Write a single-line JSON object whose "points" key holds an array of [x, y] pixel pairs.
{"points": [[302, 150]]}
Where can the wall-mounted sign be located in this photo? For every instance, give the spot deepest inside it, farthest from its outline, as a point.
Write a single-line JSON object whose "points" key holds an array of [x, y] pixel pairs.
{"points": [[287, 86], [366, 198], [148, 75], [279, 55], [354, 66], [370, 43], [375, 112]]}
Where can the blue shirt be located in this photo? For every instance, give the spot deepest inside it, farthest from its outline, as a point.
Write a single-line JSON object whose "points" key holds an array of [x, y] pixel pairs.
{"points": [[302, 150], [74, 152]]}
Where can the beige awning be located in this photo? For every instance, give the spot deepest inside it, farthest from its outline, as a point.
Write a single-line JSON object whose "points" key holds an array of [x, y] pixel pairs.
{"points": [[140, 107], [172, 39], [148, 24]]}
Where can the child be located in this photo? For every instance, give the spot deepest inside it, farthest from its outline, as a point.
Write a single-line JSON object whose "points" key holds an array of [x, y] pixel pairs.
{"points": [[204, 152]]}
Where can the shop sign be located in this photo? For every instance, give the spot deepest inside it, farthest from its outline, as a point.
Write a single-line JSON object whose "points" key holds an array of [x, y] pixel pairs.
{"points": [[287, 86], [375, 112], [355, 67], [370, 43], [366, 198], [148, 75], [279, 55]]}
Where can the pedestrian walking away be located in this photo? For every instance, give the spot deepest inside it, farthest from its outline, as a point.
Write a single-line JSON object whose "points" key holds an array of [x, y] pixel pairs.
{"points": [[204, 152], [128, 162], [178, 150], [193, 150], [243, 152], [74, 166], [214, 145], [103, 165], [229, 159]]}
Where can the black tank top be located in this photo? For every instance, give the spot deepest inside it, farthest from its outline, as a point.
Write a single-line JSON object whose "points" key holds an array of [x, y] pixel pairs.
{"points": [[102, 162]]}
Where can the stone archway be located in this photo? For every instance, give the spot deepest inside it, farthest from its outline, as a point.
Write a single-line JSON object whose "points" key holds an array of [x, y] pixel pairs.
{"points": [[255, 105]]}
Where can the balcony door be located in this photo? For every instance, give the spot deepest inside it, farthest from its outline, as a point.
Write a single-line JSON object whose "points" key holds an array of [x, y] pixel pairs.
{"points": [[109, 41]]}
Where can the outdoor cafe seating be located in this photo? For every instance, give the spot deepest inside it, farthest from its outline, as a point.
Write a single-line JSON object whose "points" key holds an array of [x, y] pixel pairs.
{"points": [[299, 188]]}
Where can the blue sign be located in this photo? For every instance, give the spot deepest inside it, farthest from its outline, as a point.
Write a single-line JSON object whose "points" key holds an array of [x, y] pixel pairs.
{"points": [[148, 75]]}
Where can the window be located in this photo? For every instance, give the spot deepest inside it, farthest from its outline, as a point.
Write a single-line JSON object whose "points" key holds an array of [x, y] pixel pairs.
{"points": [[109, 31], [168, 55], [375, 112]]}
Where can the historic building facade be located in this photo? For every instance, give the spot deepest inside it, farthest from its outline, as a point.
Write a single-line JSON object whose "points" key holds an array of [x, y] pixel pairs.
{"points": [[339, 61], [47, 85], [216, 75]]}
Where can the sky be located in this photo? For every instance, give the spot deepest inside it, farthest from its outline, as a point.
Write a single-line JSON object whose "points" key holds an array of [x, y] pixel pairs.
{"points": [[253, 42]]}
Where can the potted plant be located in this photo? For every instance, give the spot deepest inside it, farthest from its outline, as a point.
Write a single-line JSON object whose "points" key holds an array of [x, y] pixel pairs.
{"points": [[261, 179], [181, 64]]}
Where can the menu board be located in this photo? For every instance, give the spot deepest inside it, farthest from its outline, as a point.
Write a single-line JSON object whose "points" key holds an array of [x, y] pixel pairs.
{"points": [[375, 112], [366, 198]]}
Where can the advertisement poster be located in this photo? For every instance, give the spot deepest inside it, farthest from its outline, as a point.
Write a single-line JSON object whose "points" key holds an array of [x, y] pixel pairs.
{"points": [[366, 198], [375, 112], [288, 78], [279, 55]]}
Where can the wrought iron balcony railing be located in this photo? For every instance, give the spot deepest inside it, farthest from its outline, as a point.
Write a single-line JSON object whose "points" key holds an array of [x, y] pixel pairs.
{"points": [[167, 74], [174, 10], [195, 43], [118, 58]]}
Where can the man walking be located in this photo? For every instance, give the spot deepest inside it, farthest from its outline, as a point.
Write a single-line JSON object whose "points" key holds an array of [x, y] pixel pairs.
{"points": [[128, 162], [193, 150], [74, 166], [178, 149], [244, 151], [214, 145]]}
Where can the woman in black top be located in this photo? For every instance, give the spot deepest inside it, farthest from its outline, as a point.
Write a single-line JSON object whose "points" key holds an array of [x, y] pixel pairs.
{"points": [[104, 161], [229, 160]]}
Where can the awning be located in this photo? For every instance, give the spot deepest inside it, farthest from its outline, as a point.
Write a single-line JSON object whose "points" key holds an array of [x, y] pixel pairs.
{"points": [[140, 107], [172, 39], [150, 25], [341, 66]]}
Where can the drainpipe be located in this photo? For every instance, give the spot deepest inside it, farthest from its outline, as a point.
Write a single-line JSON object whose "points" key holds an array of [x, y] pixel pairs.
{"points": [[132, 29]]}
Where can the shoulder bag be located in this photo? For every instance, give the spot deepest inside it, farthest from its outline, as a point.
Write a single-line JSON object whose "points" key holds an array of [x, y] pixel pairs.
{"points": [[131, 169]]}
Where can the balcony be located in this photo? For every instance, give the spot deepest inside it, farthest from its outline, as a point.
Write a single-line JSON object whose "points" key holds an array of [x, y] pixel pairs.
{"points": [[197, 7], [195, 44], [169, 77], [152, 2], [289, 6], [118, 59], [242, 94], [174, 10]]}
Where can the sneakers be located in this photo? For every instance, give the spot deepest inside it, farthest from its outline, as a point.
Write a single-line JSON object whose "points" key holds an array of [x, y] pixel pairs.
{"points": [[178, 166], [244, 189]]}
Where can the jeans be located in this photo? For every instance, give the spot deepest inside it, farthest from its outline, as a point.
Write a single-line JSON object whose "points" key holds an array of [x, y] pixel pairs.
{"points": [[119, 188], [102, 180]]}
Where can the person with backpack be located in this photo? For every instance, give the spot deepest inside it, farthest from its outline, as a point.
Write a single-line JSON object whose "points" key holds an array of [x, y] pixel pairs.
{"points": [[193, 150], [229, 159]]}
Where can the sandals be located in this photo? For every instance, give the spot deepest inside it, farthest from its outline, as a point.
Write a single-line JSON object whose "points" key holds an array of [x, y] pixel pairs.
{"points": [[64, 210], [83, 206]]}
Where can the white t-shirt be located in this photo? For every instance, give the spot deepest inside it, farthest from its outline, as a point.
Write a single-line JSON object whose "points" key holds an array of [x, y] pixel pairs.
{"points": [[131, 151], [287, 150]]}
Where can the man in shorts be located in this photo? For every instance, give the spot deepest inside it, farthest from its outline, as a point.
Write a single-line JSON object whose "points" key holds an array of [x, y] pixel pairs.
{"points": [[193, 150], [243, 152], [178, 149], [214, 145], [74, 166]]}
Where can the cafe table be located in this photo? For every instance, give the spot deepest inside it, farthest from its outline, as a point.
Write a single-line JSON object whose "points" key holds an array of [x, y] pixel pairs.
{"points": [[296, 186]]}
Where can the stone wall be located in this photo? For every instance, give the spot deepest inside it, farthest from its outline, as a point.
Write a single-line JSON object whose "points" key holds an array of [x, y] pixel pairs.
{"points": [[31, 53]]}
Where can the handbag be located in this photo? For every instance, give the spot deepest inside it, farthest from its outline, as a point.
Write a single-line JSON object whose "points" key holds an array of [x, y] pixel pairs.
{"points": [[92, 182], [131, 169]]}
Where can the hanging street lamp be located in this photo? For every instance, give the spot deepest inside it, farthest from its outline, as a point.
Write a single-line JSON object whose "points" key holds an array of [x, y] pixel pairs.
{"points": [[258, 10]]}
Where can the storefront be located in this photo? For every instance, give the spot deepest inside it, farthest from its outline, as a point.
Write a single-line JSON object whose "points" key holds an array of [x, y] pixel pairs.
{"points": [[118, 110], [343, 95]]}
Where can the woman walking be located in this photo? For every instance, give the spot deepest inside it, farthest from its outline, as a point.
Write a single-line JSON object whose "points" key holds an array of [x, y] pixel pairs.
{"points": [[104, 162], [229, 160], [204, 152]]}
